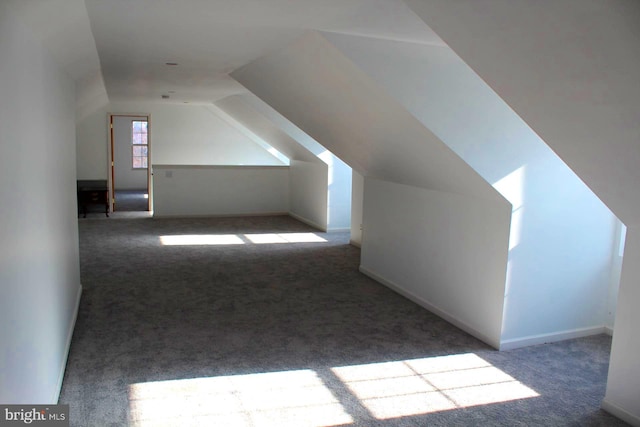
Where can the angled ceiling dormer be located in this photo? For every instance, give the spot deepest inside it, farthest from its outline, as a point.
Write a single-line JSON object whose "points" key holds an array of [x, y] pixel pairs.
{"points": [[312, 84], [569, 69], [448, 98], [242, 112]]}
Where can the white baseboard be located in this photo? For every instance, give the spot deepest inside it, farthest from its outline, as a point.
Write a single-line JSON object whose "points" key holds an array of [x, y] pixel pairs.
{"points": [[230, 215], [432, 308], [308, 222], [354, 243], [608, 331], [338, 229], [551, 337], [72, 327], [618, 412]]}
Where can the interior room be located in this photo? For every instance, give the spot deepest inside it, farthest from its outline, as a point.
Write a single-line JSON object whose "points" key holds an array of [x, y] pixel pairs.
{"points": [[362, 212]]}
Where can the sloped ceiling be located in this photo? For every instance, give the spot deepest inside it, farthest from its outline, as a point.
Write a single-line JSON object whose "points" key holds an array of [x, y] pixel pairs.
{"points": [[209, 38], [327, 96], [63, 27], [570, 69], [239, 109], [286, 126]]}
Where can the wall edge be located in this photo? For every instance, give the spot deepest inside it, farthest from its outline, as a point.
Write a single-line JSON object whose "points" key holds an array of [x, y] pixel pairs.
{"points": [[430, 307], [308, 221], [551, 337], [621, 413], [72, 327]]}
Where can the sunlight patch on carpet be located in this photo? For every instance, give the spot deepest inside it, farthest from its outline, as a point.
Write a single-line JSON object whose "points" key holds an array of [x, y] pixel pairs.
{"points": [[277, 399], [201, 239], [239, 239], [422, 386], [285, 238]]}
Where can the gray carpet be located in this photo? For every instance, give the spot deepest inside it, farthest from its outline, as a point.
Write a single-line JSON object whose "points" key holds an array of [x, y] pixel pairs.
{"points": [[131, 201], [239, 333]]}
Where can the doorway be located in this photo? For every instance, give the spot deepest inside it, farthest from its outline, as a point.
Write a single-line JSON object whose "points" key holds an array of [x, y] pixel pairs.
{"points": [[130, 166]]}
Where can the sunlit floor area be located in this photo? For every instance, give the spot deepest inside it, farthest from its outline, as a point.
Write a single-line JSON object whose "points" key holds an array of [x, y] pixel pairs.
{"points": [[290, 398], [266, 322], [388, 390]]}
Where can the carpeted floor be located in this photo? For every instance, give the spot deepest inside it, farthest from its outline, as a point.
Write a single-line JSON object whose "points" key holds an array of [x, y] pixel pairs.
{"points": [[259, 322], [131, 200]]}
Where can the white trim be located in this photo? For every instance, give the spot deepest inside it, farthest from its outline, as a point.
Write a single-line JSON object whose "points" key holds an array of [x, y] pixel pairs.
{"points": [[551, 337], [72, 326], [139, 145], [618, 412], [129, 114], [229, 215], [308, 222], [432, 308], [165, 166], [149, 168], [338, 230], [110, 193], [354, 243], [608, 330], [110, 158]]}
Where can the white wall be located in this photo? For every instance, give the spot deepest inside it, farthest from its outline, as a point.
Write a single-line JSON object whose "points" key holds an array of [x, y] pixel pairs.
{"points": [[39, 268], [569, 69], [562, 239], [126, 178], [339, 171], [179, 134], [245, 114], [339, 193], [91, 144], [193, 135], [445, 251], [182, 190], [308, 175], [623, 385], [283, 135], [314, 86], [319, 90], [91, 95], [357, 204], [308, 183], [617, 258], [284, 124]]}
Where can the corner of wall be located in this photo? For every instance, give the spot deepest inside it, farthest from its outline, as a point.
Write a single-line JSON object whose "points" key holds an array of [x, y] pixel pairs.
{"points": [[512, 344], [445, 251], [454, 320], [621, 413], [72, 326], [308, 222]]}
